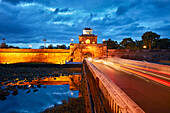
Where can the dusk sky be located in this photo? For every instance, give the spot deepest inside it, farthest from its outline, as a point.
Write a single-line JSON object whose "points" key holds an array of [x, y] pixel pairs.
{"points": [[25, 22]]}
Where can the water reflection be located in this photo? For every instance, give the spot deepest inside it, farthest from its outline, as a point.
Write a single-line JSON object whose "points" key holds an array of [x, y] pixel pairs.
{"points": [[35, 84], [46, 96]]}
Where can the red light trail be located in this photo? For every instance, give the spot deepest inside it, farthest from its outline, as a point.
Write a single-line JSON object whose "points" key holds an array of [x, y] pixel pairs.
{"points": [[145, 75]]}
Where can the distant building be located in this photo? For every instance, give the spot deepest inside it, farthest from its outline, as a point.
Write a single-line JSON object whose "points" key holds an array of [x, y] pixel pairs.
{"points": [[87, 37]]}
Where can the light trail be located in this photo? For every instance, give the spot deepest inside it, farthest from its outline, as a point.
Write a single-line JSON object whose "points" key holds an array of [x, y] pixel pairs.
{"points": [[156, 71], [148, 72], [166, 83]]}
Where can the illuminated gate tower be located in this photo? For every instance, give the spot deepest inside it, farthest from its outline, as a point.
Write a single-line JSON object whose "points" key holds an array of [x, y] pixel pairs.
{"points": [[87, 37], [87, 47]]}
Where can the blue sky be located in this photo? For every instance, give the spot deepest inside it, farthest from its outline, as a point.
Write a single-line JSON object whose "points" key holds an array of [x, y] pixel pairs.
{"points": [[25, 22]]}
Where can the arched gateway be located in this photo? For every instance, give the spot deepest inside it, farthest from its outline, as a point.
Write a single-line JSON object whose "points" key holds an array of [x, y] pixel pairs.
{"points": [[87, 47], [88, 55]]}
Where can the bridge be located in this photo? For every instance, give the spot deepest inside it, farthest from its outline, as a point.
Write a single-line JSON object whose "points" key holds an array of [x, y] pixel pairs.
{"points": [[129, 86]]}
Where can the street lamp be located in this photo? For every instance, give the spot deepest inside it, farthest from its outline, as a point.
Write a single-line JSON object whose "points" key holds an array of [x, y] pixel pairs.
{"points": [[144, 47], [30, 46], [3, 40], [103, 40], [44, 42], [72, 40]]}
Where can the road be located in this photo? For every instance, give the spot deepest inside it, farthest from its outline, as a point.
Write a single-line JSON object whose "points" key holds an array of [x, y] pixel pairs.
{"points": [[151, 95]]}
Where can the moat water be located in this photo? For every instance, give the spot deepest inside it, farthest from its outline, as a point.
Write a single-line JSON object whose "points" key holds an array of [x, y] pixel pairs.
{"points": [[34, 102]]}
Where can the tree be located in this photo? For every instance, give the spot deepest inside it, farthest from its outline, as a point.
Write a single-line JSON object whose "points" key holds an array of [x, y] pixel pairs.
{"points": [[111, 44], [162, 43], [50, 46], [149, 38], [63, 46], [138, 44], [41, 47], [127, 43], [58, 47]]}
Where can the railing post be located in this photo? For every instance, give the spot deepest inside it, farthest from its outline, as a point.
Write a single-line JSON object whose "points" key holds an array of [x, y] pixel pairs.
{"points": [[97, 82]]}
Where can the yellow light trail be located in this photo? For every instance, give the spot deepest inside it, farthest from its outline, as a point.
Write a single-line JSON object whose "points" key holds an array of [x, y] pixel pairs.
{"points": [[144, 75]]}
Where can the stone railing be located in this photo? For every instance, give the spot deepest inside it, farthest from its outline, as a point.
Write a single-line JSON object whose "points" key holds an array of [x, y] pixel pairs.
{"points": [[119, 102]]}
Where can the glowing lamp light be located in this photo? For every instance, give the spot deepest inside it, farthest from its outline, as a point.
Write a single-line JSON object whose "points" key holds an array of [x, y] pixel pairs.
{"points": [[90, 59], [72, 93], [93, 42], [72, 40], [144, 46], [30, 46], [87, 41], [103, 40], [82, 42]]}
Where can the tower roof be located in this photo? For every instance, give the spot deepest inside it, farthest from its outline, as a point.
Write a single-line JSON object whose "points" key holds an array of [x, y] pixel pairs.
{"points": [[87, 28]]}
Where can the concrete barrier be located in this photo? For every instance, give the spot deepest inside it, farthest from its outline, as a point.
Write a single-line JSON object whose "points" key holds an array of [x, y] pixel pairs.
{"points": [[118, 100]]}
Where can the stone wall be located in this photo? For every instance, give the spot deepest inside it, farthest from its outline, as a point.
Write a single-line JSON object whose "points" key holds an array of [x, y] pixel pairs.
{"points": [[80, 50], [148, 55], [56, 56]]}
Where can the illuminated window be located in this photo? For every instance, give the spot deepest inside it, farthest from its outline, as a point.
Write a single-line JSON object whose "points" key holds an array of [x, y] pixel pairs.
{"points": [[87, 41]]}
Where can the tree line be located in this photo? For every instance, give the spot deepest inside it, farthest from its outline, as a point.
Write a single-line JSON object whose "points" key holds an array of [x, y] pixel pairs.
{"points": [[55, 47], [149, 40]]}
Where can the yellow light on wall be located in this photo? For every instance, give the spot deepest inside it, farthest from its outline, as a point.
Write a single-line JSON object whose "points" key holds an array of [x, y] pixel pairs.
{"points": [[87, 41]]}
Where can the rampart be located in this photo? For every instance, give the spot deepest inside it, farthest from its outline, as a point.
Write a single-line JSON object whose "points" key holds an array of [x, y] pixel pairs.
{"points": [[55, 56]]}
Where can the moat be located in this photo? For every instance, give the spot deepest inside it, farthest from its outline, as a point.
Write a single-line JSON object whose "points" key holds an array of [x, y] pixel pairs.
{"points": [[34, 102], [35, 88]]}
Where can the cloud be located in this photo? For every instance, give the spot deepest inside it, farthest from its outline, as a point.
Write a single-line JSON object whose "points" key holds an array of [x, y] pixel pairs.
{"points": [[64, 10], [163, 28], [15, 2], [126, 7], [56, 10], [121, 10], [29, 21]]}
